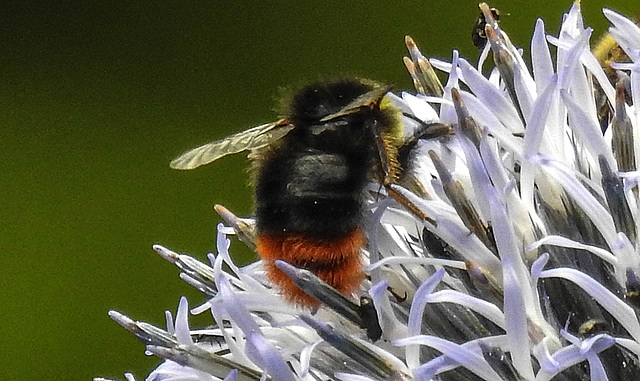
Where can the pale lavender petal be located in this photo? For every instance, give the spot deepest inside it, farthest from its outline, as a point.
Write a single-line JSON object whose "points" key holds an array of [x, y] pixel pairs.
{"points": [[541, 58], [533, 141], [518, 296], [420, 300], [591, 63], [305, 358], [232, 336], [596, 343], [444, 363], [399, 102], [183, 334], [169, 322], [447, 111], [492, 161], [430, 370], [421, 109], [454, 75], [622, 312], [463, 356], [231, 376], [625, 31], [568, 66], [414, 323], [351, 377], [572, 24], [524, 82], [571, 355], [392, 327], [235, 308], [581, 85], [222, 242], [587, 128], [566, 242], [479, 178], [596, 369], [538, 265], [268, 357], [491, 96], [566, 178], [569, 337], [222, 245], [482, 307], [388, 261], [485, 118], [483, 56]]}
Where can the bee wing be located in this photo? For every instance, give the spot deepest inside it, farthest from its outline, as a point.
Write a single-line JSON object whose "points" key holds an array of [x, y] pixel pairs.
{"points": [[252, 138], [365, 100]]}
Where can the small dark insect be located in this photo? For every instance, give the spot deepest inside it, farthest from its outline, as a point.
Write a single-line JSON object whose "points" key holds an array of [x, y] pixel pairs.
{"points": [[478, 35], [370, 318], [310, 170]]}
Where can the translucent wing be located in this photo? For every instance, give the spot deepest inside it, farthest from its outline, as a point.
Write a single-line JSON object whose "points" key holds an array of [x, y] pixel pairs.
{"points": [[252, 138], [365, 100]]}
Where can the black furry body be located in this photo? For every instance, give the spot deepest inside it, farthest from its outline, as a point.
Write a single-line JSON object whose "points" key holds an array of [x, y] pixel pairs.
{"points": [[311, 181]]}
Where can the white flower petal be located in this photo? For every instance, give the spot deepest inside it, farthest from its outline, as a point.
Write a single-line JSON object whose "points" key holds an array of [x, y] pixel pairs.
{"points": [[183, 334], [492, 97], [566, 242], [541, 58], [484, 308], [463, 356], [420, 109], [627, 32], [609, 301], [414, 323]]}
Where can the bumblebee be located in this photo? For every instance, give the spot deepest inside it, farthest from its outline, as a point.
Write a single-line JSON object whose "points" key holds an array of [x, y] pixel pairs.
{"points": [[310, 170]]}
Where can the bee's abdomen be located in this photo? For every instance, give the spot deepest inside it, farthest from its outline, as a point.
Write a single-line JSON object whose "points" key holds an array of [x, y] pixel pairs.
{"points": [[335, 261], [309, 214]]}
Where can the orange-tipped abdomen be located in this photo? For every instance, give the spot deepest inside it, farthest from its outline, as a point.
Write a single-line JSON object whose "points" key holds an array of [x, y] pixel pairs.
{"points": [[335, 261]]}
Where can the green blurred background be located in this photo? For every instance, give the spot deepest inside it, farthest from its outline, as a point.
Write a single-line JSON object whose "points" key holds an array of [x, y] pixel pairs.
{"points": [[97, 97]]}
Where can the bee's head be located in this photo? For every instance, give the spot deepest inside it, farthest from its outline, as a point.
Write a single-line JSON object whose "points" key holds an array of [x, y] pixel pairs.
{"points": [[321, 99]]}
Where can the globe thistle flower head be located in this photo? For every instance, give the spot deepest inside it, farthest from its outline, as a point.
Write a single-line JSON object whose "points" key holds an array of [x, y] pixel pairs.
{"points": [[508, 252]]}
